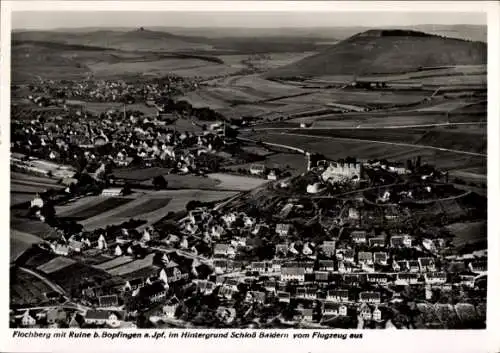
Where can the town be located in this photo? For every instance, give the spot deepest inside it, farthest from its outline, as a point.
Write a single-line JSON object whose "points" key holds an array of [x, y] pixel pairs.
{"points": [[157, 213]]}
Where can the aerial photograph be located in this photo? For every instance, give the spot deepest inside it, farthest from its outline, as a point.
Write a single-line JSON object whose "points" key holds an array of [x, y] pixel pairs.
{"points": [[248, 170]]}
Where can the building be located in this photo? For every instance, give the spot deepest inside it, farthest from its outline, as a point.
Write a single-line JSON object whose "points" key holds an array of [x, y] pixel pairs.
{"points": [[342, 171], [326, 265], [405, 279], [283, 229], [292, 273], [479, 266], [113, 192], [154, 292], [338, 295], [358, 236], [365, 258], [27, 320], [377, 278], [334, 309], [224, 250], [328, 247], [283, 297], [106, 301], [380, 258], [257, 169], [365, 312], [427, 264], [256, 297], [377, 242], [435, 277], [100, 317]]}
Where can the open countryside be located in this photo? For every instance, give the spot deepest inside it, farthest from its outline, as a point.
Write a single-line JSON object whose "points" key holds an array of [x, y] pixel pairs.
{"points": [[261, 178]]}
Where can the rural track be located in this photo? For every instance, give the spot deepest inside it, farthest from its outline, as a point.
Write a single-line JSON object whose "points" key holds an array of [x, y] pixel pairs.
{"points": [[401, 144]]}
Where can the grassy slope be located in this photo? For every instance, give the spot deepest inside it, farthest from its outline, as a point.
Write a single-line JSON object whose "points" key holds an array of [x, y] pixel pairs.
{"points": [[381, 52]]}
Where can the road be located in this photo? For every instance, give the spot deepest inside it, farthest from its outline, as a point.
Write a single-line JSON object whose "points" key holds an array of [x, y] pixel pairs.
{"points": [[400, 144]]}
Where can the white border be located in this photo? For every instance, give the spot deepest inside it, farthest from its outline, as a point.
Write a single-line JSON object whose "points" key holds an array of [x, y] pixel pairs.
{"points": [[410, 340]]}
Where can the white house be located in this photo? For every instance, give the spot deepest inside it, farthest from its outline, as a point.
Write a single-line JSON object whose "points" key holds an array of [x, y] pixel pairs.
{"points": [[112, 192], [118, 251], [101, 243], [27, 320]]}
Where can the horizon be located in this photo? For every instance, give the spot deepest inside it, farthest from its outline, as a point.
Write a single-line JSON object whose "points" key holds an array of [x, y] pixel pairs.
{"points": [[72, 20]]}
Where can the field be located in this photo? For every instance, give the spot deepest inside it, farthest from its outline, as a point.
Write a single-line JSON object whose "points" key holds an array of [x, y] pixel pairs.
{"points": [[360, 98], [55, 264], [240, 89], [287, 161], [468, 232], [118, 261], [177, 202], [26, 289], [30, 226], [176, 181], [449, 139], [144, 207], [139, 174], [70, 277], [131, 266], [24, 187], [335, 149], [236, 182], [105, 205], [20, 242]]}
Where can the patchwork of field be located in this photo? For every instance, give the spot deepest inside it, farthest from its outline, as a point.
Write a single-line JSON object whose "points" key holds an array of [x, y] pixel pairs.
{"points": [[270, 61], [169, 201], [450, 72], [20, 242], [359, 98], [446, 106], [105, 205], [449, 139], [240, 89], [335, 149], [145, 206], [55, 264], [24, 187], [26, 289]]}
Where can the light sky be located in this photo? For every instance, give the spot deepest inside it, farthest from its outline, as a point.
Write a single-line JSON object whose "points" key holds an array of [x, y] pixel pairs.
{"points": [[53, 20]]}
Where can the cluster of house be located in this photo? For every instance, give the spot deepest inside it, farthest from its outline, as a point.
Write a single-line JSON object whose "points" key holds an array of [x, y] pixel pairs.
{"points": [[148, 141], [109, 90], [62, 317]]}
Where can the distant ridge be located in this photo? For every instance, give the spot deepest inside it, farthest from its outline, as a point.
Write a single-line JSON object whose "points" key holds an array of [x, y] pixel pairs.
{"points": [[382, 51]]}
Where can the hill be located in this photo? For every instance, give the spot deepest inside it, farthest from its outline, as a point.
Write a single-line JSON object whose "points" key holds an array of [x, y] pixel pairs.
{"points": [[112, 39], [386, 51]]}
